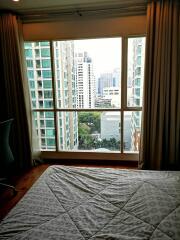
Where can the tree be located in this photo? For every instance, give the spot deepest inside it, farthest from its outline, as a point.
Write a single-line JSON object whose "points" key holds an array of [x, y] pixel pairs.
{"points": [[88, 123], [111, 144], [83, 129], [91, 119]]}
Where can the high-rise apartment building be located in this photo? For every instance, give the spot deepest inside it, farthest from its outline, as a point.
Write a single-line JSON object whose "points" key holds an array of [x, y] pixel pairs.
{"points": [[39, 71], [112, 93], [61, 81], [85, 80], [108, 80], [137, 89], [104, 81], [116, 74], [110, 125], [66, 93]]}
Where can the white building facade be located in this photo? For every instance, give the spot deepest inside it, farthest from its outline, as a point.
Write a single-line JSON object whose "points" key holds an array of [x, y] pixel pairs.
{"points": [[137, 90], [85, 80], [39, 72]]}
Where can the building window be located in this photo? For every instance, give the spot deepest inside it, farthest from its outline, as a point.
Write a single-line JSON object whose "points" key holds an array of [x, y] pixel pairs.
{"points": [[28, 53], [46, 63], [45, 52], [29, 63], [30, 74], [38, 64], [83, 102], [37, 53]]}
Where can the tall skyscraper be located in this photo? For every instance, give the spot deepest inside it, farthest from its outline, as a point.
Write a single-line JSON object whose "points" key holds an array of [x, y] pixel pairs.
{"points": [[137, 90], [85, 80], [116, 77], [39, 71], [105, 81], [112, 93], [66, 93], [108, 80]]}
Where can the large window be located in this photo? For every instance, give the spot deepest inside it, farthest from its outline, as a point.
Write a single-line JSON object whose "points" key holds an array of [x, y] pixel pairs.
{"points": [[87, 94]]}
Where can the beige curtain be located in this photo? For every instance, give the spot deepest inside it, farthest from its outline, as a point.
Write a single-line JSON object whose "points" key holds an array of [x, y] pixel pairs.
{"points": [[160, 141], [14, 94], [35, 147]]}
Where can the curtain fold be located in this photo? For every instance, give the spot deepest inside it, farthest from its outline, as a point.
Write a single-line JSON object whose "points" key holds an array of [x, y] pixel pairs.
{"points": [[160, 140], [14, 95], [35, 147]]}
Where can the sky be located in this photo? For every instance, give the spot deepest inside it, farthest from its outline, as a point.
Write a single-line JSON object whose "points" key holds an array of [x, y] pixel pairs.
{"points": [[105, 53]]}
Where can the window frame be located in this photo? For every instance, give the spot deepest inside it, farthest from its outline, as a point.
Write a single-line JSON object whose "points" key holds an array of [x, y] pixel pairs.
{"points": [[120, 155]]}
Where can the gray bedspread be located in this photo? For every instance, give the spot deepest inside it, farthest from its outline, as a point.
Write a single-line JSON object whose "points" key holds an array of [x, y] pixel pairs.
{"points": [[96, 203]]}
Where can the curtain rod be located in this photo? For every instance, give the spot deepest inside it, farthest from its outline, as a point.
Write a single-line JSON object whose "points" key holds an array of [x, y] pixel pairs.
{"points": [[82, 10], [136, 9]]}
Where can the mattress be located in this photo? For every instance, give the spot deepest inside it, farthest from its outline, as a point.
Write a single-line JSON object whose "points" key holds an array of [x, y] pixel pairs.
{"points": [[71, 203]]}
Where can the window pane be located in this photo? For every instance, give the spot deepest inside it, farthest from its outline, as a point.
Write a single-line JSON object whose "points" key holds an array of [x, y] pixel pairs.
{"points": [[45, 130], [30, 74], [135, 71], [48, 104], [27, 44], [38, 74], [42, 78], [37, 53], [47, 84], [94, 131], [45, 52], [132, 131], [33, 95], [31, 84], [50, 123], [28, 53], [110, 130], [48, 94], [38, 64], [46, 63], [67, 130], [29, 63], [49, 114], [46, 74], [50, 142], [44, 43], [87, 73]]}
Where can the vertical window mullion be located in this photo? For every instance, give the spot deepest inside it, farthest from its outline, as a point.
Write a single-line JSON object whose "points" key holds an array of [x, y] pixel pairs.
{"points": [[54, 94], [123, 88]]}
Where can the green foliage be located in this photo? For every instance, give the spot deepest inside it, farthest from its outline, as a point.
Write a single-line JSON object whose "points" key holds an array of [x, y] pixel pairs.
{"points": [[83, 129], [111, 144], [91, 119], [88, 123], [87, 142]]}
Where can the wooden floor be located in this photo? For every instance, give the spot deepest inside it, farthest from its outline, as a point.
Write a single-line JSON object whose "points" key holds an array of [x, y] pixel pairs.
{"points": [[26, 180]]}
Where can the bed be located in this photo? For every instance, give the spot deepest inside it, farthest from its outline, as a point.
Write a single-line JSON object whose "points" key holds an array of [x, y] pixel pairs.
{"points": [[72, 203]]}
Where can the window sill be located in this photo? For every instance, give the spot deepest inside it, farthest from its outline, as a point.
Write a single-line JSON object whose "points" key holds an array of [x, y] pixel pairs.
{"points": [[85, 155]]}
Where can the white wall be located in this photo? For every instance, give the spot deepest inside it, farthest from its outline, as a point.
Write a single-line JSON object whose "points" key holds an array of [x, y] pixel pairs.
{"points": [[85, 28]]}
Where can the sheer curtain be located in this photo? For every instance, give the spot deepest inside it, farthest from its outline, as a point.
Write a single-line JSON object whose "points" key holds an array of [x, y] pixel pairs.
{"points": [[14, 93], [160, 141]]}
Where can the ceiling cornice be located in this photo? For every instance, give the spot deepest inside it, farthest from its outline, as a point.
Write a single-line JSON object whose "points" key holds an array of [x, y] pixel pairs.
{"points": [[79, 10]]}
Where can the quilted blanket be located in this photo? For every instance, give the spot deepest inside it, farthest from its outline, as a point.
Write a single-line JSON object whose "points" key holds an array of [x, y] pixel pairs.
{"points": [[71, 203]]}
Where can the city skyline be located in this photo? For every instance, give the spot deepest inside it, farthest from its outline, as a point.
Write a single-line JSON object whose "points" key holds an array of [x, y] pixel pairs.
{"points": [[105, 53]]}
